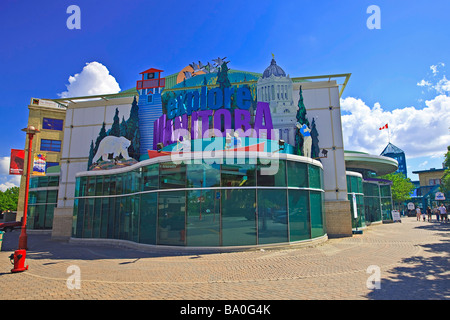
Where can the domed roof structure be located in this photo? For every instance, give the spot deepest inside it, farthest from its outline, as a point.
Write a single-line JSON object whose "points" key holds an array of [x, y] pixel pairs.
{"points": [[273, 69]]}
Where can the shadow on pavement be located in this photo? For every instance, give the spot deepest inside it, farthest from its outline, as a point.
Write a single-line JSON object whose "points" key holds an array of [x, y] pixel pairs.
{"points": [[41, 246], [423, 278]]}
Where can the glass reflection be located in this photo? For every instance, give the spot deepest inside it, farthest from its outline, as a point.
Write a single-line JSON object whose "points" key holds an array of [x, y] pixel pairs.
{"points": [[238, 217], [171, 218], [272, 216], [203, 218]]}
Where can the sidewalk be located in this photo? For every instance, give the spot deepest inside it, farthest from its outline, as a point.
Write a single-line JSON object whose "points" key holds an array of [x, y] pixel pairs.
{"points": [[412, 259]]}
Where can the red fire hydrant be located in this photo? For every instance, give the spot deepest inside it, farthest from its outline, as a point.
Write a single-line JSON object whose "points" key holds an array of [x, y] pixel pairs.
{"points": [[19, 261]]}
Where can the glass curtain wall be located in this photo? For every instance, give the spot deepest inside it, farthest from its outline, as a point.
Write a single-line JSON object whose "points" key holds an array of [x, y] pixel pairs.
{"points": [[203, 204], [42, 200]]}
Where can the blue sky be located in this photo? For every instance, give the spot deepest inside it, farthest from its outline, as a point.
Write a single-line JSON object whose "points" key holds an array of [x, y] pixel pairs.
{"points": [[393, 79]]}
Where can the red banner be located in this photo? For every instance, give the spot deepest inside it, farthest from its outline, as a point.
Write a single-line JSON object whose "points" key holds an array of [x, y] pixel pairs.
{"points": [[16, 162]]}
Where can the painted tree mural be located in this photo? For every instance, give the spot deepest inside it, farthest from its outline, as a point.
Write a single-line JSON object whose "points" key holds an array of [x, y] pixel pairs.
{"points": [[126, 128]]}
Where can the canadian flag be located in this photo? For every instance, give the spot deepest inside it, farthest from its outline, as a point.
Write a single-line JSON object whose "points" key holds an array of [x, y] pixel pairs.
{"points": [[384, 127]]}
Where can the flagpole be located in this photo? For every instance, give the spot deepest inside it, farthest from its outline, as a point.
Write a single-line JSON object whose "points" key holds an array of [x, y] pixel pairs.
{"points": [[389, 134]]}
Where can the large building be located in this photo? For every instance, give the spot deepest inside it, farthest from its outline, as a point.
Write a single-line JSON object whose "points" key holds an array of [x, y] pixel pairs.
{"points": [[428, 192], [398, 154], [211, 157], [48, 117]]}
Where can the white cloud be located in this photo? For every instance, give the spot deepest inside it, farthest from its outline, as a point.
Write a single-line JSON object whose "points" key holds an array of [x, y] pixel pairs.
{"points": [[434, 68], [423, 164], [94, 79], [442, 86], [424, 83], [7, 180], [418, 132]]}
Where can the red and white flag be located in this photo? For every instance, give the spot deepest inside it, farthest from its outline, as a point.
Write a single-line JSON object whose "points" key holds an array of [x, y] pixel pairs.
{"points": [[384, 127]]}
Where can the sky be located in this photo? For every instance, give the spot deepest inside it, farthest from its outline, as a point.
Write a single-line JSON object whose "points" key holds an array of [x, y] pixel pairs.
{"points": [[399, 70]]}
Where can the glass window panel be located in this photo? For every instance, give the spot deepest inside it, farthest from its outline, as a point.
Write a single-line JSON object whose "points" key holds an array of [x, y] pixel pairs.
{"points": [[33, 182], [299, 216], [272, 174], [119, 179], [52, 196], [97, 218], [80, 218], [75, 216], [117, 222], [297, 174], [238, 175], [112, 185], [148, 212], [104, 217], [32, 197], [203, 175], [134, 218], [150, 177], [238, 217], [106, 185], [111, 218], [88, 218], [52, 124], [385, 190], [31, 217], [125, 215], [48, 224], [83, 186], [91, 186], [171, 218], [317, 214], [172, 175], [203, 218], [40, 213], [41, 196], [272, 216], [314, 176]]}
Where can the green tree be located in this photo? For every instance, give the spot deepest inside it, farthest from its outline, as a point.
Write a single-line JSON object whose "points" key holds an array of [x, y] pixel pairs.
{"points": [[115, 128], [445, 181], [9, 199], [91, 154], [123, 128], [401, 187], [301, 118], [100, 137]]}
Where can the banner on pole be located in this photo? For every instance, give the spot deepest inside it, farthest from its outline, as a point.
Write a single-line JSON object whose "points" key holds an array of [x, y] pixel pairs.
{"points": [[39, 164], [16, 162]]}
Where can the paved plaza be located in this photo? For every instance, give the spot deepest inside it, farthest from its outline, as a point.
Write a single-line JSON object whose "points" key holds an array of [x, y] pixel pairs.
{"points": [[408, 260]]}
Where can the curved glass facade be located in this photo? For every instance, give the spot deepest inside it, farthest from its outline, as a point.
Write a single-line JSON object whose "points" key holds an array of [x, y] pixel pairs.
{"points": [[202, 205]]}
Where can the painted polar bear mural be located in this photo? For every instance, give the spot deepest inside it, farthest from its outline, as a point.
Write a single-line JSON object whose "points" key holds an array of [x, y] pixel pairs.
{"points": [[112, 144]]}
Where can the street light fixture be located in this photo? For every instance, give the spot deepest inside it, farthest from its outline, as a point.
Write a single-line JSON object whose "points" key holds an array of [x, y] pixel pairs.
{"points": [[31, 131]]}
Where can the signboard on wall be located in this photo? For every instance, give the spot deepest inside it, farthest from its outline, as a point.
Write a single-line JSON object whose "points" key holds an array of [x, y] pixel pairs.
{"points": [[439, 196]]}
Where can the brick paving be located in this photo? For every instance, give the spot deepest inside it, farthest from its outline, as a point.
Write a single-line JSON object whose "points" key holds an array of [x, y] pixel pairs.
{"points": [[412, 257]]}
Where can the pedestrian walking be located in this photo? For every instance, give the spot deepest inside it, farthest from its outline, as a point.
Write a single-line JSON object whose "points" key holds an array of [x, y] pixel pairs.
{"points": [[443, 213], [418, 213], [436, 212], [429, 213]]}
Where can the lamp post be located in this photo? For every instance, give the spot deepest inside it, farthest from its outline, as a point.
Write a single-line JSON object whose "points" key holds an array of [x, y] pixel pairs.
{"points": [[31, 131]]}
